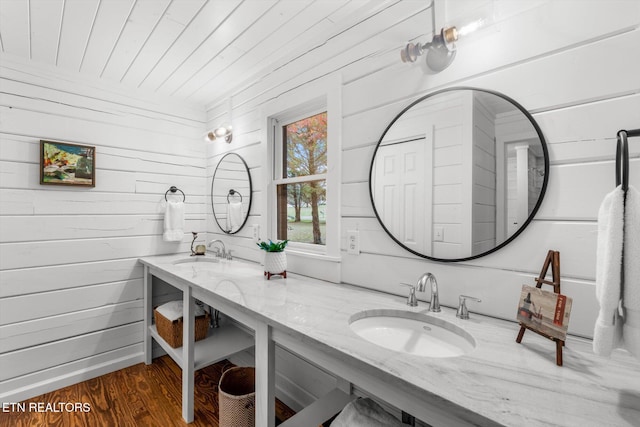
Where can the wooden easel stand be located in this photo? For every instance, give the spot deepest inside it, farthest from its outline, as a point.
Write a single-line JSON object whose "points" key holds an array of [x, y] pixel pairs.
{"points": [[553, 261]]}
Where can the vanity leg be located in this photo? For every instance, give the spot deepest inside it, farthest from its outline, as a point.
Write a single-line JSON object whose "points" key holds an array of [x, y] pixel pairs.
{"points": [[188, 342], [148, 313], [265, 377]]}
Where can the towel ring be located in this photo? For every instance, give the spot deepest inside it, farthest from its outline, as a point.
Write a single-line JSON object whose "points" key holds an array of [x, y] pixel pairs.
{"points": [[233, 192], [622, 160], [173, 189]]}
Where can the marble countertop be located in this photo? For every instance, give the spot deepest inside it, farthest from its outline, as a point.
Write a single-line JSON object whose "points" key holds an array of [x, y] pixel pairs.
{"points": [[501, 380]]}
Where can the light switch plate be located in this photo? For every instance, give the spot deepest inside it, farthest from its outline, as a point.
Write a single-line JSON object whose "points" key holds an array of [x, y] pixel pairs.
{"points": [[438, 234], [353, 242], [256, 233]]}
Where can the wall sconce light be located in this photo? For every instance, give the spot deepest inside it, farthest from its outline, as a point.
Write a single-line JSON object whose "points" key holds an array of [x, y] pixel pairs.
{"points": [[221, 132], [440, 51]]}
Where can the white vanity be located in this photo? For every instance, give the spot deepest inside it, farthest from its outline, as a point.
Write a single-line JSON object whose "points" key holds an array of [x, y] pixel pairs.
{"points": [[498, 382]]}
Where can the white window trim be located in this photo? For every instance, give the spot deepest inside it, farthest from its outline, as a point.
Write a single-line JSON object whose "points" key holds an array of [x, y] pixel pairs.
{"points": [[325, 96], [311, 109], [297, 179]]}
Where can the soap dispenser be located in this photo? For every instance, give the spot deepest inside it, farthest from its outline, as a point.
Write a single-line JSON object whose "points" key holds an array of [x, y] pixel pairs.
{"points": [[199, 249]]}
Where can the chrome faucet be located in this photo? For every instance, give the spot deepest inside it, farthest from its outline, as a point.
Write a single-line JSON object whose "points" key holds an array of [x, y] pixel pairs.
{"points": [[421, 286], [434, 302], [224, 253]]}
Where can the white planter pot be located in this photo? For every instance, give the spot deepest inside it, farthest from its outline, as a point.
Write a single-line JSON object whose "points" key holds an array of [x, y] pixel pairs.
{"points": [[275, 263]]}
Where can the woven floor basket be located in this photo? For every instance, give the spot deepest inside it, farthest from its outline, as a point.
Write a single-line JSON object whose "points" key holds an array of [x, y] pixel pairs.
{"points": [[236, 397], [171, 332]]}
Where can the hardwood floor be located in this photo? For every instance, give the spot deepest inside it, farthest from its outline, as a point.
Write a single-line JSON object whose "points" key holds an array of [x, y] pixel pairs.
{"points": [[140, 395]]}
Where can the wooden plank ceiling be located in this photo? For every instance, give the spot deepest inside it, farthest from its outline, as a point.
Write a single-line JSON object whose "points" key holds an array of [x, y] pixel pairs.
{"points": [[194, 50]]}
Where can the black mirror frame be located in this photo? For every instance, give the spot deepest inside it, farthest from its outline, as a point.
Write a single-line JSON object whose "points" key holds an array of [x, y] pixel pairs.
{"points": [[213, 179], [535, 208]]}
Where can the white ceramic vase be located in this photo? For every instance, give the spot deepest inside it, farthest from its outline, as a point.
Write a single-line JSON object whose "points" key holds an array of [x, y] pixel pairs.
{"points": [[275, 263]]}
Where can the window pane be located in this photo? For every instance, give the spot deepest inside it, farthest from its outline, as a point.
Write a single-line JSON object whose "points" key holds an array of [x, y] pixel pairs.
{"points": [[305, 143], [301, 212]]}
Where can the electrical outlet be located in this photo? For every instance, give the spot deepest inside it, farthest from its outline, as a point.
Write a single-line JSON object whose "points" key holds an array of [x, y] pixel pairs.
{"points": [[353, 242], [438, 234], [256, 233]]}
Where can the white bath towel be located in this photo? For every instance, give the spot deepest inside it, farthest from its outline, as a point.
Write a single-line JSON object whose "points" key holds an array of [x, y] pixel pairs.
{"points": [[631, 285], [173, 222], [173, 310], [608, 329], [235, 217], [364, 412]]}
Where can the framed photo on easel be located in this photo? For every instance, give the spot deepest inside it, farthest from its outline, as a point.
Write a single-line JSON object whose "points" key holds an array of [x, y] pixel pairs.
{"points": [[544, 312]]}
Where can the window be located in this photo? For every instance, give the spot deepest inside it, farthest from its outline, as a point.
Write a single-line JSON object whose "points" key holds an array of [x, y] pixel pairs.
{"points": [[305, 172], [301, 179]]}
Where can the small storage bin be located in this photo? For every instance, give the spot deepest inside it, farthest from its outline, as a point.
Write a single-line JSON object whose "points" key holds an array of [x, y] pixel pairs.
{"points": [[236, 397], [171, 331]]}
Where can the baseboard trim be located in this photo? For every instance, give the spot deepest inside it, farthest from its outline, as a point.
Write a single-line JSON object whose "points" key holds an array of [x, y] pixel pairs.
{"points": [[57, 382]]}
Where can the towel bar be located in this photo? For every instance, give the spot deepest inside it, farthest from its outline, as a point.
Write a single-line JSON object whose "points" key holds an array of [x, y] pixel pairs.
{"points": [[173, 189], [233, 192], [622, 157]]}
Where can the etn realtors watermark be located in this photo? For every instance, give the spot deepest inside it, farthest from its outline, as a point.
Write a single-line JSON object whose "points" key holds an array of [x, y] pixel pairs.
{"points": [[46, 407]]}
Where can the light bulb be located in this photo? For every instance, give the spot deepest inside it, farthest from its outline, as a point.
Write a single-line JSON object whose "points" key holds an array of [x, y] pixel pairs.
{"points": [[472, 26], [224, 132]]}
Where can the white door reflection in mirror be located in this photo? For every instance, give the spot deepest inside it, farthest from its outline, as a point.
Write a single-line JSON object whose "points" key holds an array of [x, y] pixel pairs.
{"points": [[400, 187]]}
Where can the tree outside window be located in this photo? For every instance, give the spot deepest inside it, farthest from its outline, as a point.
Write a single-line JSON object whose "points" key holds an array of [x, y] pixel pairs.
{"points": [[302, 194]]}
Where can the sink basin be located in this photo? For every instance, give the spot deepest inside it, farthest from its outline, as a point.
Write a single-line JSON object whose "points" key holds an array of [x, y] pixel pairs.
{"points": [[412, 333], [195, 259]]}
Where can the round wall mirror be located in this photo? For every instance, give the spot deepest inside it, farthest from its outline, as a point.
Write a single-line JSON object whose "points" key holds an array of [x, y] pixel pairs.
{"points": [[458, 174], [231, 193]]}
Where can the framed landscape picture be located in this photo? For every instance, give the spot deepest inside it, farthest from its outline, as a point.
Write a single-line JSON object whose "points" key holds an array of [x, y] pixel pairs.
{"points": [[62, 163]]}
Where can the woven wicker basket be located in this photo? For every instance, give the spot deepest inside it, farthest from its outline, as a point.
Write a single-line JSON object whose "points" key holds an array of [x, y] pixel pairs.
{"points": [[171, 331], [236, 397]]}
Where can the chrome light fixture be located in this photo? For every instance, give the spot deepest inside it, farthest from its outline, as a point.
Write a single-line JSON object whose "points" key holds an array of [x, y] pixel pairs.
{"points": [[440, 51], [223, 132]]}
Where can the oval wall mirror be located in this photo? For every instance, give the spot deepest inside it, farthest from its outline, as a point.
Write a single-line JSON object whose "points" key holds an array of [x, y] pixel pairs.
{"points": [[231, 193], [458, 174]]}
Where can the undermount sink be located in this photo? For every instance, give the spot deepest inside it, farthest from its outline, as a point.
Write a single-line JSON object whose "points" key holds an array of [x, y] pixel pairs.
{"points": [[412, 333], [193, 259]]}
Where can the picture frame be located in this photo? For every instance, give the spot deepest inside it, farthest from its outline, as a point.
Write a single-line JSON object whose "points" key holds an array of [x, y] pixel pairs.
{"points": [[544, 312], [63, 163]]}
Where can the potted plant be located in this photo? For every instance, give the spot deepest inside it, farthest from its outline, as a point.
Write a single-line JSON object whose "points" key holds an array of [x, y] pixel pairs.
{"points": [[275, 259]]}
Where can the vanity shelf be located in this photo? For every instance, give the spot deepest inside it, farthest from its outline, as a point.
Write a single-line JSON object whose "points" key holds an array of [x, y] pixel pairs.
{"points": [[219, 344]]}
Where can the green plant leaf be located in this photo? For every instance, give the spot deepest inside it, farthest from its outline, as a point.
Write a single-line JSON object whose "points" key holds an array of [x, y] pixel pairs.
{"points": [[272, 246]]}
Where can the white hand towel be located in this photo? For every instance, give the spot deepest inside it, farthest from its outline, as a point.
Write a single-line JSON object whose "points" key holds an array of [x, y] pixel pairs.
{"points": [[631, 286], [173, 222], [235, 216], [608, 329]]}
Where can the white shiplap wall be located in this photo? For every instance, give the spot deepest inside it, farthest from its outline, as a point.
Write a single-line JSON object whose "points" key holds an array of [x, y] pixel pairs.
{"points": [[70, 285], [572, 64], [579, 81]]}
